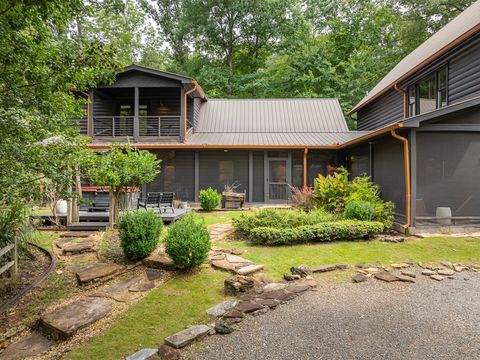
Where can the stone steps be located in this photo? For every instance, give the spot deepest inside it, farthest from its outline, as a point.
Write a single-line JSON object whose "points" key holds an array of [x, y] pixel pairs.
{"points": [[96, 272]]}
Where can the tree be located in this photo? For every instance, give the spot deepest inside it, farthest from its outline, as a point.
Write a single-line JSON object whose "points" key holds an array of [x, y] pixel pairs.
{"points": [[121, 167]]}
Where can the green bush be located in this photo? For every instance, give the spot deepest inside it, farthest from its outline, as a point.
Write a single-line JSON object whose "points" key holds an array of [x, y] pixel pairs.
{"points": [[188, 241], [209, 199], [359, 210], [332, 190], [326, 231], [278, 218], [139, 233]]}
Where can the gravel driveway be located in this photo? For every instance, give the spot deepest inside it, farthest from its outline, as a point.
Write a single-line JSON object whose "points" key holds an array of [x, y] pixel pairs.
{"points": [[372, 320]]}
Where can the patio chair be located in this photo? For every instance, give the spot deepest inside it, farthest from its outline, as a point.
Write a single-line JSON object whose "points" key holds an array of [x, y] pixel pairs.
{"points": [[152, 201], [166, 201]]}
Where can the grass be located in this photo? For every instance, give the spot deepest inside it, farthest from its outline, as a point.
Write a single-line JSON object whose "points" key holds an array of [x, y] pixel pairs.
{"points": [[218, 217], [180, 302], [44, 239]]}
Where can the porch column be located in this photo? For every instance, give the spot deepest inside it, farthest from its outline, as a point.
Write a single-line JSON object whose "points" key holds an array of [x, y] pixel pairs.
{"points": [[197, 175], [289, 174], [250, 176], [305, 168], [265, 176], [413, 175], [371, 146], [90, 113], [182, 113], [136, 127]]}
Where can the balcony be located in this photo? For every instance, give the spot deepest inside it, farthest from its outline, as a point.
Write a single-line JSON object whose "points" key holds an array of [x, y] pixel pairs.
{"points": [[124, 126]]}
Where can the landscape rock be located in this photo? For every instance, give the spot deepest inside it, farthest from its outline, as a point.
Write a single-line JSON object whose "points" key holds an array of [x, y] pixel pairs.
{"points": [[428, 272], [248, 306], [159, 261], [371, 270], [408, 273], [290, 277], [301, 270], [142, 286], [222, 327], [436, 277], [122, 286], [405, 278], [459, 268], [342, 266], [29, 346], [168, 353], [446, 272], [260, 311], [386, 276], [143, 354], [239, 284], [236, 259], [77, 234], [359, 277], [323, 268], [451, 277], [78, 247], [223, 265], [96, 271], [153, 274], [233, 314], [271, 303], [185, 337], [250, 269], [298, 288], [280, 295], [68, 319], [446, 264], [220, 309], [361, 266], [400, 266]]}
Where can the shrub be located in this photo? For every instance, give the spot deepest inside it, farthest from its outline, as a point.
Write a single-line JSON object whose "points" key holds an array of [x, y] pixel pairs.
{"points": [[278, 218], [302, 198], [359, 210], [209, 199], [331, 191], [188, 241], [326, 231], [139, 233]]}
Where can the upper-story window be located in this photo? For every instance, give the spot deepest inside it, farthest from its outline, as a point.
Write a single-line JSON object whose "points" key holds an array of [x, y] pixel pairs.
{"points": [[428, 94]]}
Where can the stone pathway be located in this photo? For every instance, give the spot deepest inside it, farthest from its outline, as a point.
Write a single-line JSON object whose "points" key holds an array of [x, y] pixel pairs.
{"points": [[228, 261], [220, 231], [31, 345]]}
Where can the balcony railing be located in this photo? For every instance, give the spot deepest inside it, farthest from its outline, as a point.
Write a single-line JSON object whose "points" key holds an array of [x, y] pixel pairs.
{"points": [[113, 126], [159, 125], [148, 126]]}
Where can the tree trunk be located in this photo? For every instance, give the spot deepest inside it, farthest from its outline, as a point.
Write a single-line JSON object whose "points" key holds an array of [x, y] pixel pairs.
{"points": [[111, 207], [78, 188]]}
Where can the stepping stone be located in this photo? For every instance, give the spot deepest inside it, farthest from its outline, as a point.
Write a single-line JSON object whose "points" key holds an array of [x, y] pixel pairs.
{"points": [[280, 295], [400, 266], [428, 272], [122, 286], [65, 241], [250, 269], [95, 272], [248, 306], [405, 278], [220, 309], [359, 277], [323, 268], [159, 261], [77, 248], [298, 288], [185, 337], [233, 314], [408, 273], [67, 320], [236, 259], [446, 264], [32, 345], [77, 234], [274, 286], [153, 274], [168, 353], [223, 265], [459, 268], [436, 277], [371, 270], [386, 276], [446, 272], [142, 287], [143, 354]]}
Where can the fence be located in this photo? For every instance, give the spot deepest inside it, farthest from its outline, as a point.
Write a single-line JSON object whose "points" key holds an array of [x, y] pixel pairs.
{"points": [[12, 263]]}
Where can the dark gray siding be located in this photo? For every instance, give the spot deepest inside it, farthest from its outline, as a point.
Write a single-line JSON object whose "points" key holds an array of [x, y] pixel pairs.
{"points": [[258, 176], [387, 109], [464, 72], [218, 168], [359, 161], [137, 79]]}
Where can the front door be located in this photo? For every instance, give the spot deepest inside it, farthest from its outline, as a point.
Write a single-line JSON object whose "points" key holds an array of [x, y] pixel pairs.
{"points": [[277, 180]]}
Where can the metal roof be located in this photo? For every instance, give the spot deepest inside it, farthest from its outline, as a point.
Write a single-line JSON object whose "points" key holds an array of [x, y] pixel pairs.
{"points": [[465, 24], [271, 116]]}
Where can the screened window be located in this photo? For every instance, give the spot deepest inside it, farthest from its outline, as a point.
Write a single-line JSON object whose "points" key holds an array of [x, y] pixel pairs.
{"points": [[426, 97], [226, 172], [411, 101], [442, 88]]}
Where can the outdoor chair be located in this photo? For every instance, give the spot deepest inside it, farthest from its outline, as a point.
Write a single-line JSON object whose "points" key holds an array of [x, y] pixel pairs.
{"points": [[157, 200]]}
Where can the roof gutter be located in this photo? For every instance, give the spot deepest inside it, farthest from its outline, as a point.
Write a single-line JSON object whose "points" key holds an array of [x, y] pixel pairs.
{"points": [[370, 135], [185, 102]]}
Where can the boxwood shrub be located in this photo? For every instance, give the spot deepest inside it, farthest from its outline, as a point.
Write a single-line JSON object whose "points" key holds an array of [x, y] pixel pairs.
{"points": [[324, 231], [277, 218], [209, 199], [188, 241], [139, 233]]}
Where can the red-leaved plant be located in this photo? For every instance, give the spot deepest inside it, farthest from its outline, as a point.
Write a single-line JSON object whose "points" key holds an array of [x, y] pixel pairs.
{"points": [[302, 198]]}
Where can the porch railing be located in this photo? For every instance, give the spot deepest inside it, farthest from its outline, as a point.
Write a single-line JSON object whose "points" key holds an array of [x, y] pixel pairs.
{"points": [[113, 126], [159, 125]]}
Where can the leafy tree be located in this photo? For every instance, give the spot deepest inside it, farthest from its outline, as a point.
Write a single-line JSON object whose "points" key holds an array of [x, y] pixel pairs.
{"points": [[121, 167]]}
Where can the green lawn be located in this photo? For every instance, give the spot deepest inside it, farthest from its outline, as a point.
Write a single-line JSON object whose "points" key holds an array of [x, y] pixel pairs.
{"points": [[183, 300], [217, 217]]}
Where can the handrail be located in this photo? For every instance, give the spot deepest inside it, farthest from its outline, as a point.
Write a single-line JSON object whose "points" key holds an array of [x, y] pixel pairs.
{"points": [[149, 126]]}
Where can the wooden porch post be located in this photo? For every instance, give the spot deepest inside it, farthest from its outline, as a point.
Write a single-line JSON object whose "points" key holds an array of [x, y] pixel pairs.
{"points": [[305, 168], [250, 176], [182, 113], [136, 122], [197, 175]]}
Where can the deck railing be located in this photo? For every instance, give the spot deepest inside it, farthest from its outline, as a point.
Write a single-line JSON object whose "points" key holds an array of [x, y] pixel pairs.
{"points": [[159, 125], [113, 126], [123, 126]]}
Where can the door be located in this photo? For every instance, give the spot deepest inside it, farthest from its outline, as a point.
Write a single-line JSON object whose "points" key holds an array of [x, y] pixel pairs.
{"points": [[277, 180]]}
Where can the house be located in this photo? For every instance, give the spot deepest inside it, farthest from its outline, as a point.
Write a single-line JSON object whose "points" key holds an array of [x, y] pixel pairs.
{"points": [[418, 132]]}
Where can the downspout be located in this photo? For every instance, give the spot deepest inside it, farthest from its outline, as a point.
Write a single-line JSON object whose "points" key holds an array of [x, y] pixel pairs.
{"points": [[185, 112], [305, 157], [406, 157]]}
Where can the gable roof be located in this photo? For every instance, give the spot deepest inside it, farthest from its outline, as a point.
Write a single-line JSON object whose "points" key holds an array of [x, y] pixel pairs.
{"points": [[462, 27]]}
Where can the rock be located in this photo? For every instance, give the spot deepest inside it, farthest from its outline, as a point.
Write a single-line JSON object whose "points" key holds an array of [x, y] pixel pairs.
{"points": [[290, 277], [359, 277], [77, 234], [95, 272], [143, 354], [68, 319], [408, 273], [222, 327], [237, 251], [122, 286], [323, 268], [248, 306], [371, 270], [271, 303], [280, 295], [60, 243], [220, 309], [233, 314], [451, 277], [405, 278], [153, 274], [428, 272], [260, 312], [446, 272], [436, 277], [159, 261], [237, 284], [301, 270], [459, 268], [77, 248], [274, 286], [342, 266], [223, 265], [298, 288], [236, 259], [32, 345], [466, 278], [446, 264], [250, 269], [310, 282], [386, 276], [59, 272], [168, 353], [361, 266], [185, 337], [400, 266], [142, 287]]}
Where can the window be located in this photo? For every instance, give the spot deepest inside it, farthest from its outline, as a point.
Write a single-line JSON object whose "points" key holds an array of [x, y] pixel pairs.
{"points": [[225, 172], [428, 94]]}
